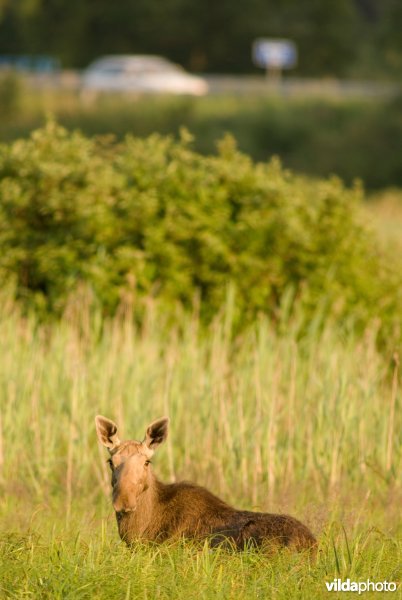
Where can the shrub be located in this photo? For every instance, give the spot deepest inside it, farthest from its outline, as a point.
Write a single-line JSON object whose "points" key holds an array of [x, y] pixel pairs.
{"points": [[11, 90], [155, 215]]}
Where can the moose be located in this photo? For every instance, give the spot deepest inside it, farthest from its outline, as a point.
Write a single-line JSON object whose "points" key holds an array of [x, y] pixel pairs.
{"points": [[147, 509]]}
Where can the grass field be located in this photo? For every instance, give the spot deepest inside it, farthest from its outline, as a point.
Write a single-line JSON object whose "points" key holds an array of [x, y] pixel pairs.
{"points": [[310, 425]]}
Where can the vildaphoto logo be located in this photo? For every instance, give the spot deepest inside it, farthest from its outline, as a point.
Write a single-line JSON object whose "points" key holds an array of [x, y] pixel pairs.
{"points": [[338, 585]]}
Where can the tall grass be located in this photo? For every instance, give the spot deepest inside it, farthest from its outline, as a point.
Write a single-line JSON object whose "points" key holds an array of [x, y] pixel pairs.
{"points": [[310, 425], [385, 210], [84, 567]]}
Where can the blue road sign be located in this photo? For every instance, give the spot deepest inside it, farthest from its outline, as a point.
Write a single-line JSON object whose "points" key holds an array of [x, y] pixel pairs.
{"points": [[275, 54]]}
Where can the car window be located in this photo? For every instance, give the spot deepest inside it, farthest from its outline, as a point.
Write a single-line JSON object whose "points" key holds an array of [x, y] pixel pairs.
{"points": [[135, 67], [110, 69]]}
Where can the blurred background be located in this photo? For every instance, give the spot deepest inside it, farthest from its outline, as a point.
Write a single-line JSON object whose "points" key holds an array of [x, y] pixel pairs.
{"points": [[333, 106], [346, 38], [200, 216]]}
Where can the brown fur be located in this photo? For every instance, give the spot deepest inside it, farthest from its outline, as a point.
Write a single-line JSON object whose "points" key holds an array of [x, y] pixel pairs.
{"points": [[151, 510]]}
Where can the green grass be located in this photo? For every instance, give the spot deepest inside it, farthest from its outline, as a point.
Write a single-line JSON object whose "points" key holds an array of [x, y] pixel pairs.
{"points": [[70, 565], [309, 425]]}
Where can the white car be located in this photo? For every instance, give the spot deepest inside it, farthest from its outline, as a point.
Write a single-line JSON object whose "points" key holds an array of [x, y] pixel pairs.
{"points": [[140, 73]]}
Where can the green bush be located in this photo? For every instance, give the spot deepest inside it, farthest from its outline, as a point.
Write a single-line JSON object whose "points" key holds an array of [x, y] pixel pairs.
{"points": [[11, 91], [155, 216]]}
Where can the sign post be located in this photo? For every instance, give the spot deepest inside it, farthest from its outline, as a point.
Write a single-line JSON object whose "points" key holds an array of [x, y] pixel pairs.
{"points": [[274, 55]]}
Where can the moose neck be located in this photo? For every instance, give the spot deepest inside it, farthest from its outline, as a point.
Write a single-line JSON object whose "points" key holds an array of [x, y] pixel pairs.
{"points": [[142, 522]]}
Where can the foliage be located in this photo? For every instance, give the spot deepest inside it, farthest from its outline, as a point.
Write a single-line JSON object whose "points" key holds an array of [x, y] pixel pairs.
{"points": [[334, 38], [11, 91], [154, 217], [319, 136]]}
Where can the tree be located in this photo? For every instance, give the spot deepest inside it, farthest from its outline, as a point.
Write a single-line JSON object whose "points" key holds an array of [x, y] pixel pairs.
{"points": [[333, 37]]}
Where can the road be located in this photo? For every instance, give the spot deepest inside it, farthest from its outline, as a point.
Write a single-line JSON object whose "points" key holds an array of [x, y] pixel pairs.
{"points": [[257, 85]]}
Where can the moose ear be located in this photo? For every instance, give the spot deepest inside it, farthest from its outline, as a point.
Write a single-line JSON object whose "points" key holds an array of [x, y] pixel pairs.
{"points": [[107, 432], [156, 433]]}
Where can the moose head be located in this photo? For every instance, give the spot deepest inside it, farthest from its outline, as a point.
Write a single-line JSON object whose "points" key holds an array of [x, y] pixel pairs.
{"points": [[129, 461]]}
